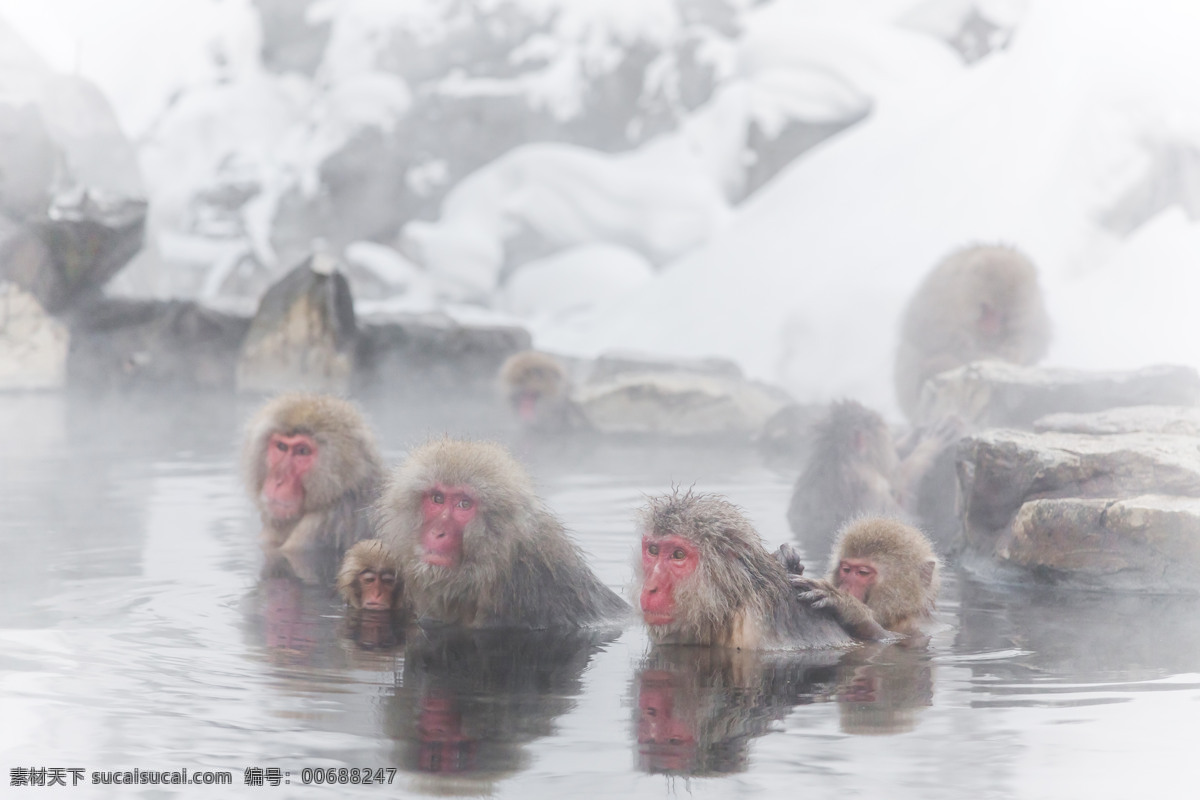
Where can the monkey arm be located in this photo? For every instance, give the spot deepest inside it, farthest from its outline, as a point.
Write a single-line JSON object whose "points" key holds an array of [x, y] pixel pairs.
{"points": [[929, 444], [851, 613]]}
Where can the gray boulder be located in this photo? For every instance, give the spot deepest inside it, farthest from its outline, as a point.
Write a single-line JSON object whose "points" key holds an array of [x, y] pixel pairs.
{"points": [[679, 404], [1178, 420], [33, 345], [122, 344], [997, 394], [1011, 530], [1143, 543], [72, 205], [423, 356], [304, 335]]}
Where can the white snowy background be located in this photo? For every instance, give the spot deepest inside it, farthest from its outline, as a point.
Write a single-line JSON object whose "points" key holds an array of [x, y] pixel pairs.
{"points": [[1074, 134]]}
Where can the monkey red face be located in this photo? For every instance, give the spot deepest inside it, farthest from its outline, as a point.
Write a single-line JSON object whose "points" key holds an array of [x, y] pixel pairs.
{"points": [[526, 405], [665, 742], [666, 562], [288, 459], [376, 589], [857, 576], [446, 511]]}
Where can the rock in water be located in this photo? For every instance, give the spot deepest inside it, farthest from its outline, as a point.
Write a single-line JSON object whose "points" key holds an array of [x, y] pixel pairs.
{"points": [[304, 335], [33, 345]]}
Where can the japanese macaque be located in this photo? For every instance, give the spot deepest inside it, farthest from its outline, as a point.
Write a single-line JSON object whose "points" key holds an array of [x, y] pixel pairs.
{"points": [[478, 548], [980, 302], [538, 390], [854, 469], [313, 469], [884, 579], [369, 578], [707, 579]]}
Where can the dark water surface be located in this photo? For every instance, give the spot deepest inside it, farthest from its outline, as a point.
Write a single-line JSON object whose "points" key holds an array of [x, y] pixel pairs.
{"points": [[136, 632]]}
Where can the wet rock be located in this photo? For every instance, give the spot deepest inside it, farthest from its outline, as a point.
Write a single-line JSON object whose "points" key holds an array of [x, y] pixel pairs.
{"points": [[997, 394], [72, 205], [679, 404], [1177, 420], [121, 344], [1002, 472], [428, 355], [33, 345], [304, 335], [610, 366], [1147, 543], [87, 238]]}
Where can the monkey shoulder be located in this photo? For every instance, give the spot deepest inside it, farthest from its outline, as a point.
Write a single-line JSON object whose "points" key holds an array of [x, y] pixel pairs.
{"points": [[552, 586]]}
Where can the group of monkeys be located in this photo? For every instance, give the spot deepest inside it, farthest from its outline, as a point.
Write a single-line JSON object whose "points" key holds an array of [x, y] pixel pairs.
{"points": [[456, 536]]}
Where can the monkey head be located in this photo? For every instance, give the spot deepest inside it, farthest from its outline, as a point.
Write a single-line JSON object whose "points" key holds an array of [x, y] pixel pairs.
{"points": [[889, 566], [369, 577], [456, 505], [303, 452], [703, 569], [530, 379]]}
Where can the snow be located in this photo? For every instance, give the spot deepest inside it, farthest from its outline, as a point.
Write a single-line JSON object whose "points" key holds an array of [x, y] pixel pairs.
{"points": [[806, 284], [654, 200], [1079, 143]]}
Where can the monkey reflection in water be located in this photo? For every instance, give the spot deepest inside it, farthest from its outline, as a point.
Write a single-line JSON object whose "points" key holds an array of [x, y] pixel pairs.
{"points": [[698, 708], [470, 700], [369, 583]]}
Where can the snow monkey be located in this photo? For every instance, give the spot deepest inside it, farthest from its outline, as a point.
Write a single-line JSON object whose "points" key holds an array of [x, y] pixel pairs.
{"points": [[885, 575], [313, 470], [853, 469], [477, 547], [707, 579], [370, 577], [538, 390], [980, 302]]}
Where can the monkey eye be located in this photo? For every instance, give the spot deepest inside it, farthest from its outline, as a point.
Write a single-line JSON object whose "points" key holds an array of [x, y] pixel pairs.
{"points": [[464, 503], [652, 549], [367, 577], [281, 446], [302, 450], [679, 554], [389, 578], [438, 497]]}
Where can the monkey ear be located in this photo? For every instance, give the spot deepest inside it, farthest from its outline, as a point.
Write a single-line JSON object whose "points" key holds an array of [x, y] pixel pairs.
{"points": [[927, 569]]}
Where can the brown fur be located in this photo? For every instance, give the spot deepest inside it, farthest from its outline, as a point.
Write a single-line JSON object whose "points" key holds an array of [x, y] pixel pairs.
{"points": [[369, 554], [848, 473], [339, 487], [530, 372], [905, 593], [854, 470], [739, 595], [518, 566], [941, 330]]}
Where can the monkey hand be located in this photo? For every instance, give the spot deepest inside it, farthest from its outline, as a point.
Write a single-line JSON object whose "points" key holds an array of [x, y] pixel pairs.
{"points": [[813, 592], [948, 430], [787, 555]]}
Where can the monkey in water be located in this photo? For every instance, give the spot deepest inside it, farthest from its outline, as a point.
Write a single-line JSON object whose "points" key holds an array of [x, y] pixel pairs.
{"points": [[477, 547], [313, 469], [980, 302], [537, 389], [369, 577], [706, 579], [884, 579], [853, 469]]}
